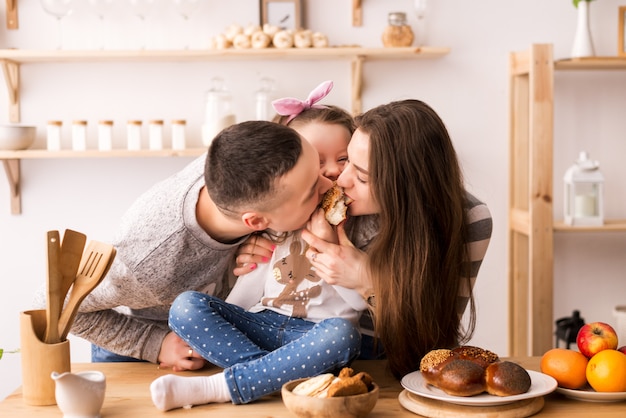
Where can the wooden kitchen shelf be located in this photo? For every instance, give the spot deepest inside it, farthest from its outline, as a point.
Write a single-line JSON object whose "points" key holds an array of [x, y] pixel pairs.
{"points": [[11, 59], [11, 161], [531, 215]]}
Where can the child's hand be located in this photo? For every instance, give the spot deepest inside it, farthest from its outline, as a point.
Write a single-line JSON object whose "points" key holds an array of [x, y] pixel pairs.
{"points": [[255, 249], [319, 226]]}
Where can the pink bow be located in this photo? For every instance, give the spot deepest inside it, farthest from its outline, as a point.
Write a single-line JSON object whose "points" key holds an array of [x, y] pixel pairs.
{"points": [[291, 107]]}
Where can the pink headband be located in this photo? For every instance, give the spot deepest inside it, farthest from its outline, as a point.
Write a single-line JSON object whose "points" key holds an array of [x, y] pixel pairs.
{"points": [[293, 107]]}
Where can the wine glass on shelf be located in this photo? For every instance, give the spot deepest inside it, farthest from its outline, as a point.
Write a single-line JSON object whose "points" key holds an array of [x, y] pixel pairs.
{"points": [[185, 8], [141, 9], [101, 8], [59, 9]]}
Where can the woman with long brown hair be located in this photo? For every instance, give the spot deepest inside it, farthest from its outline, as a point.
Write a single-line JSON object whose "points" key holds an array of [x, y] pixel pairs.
{"points": [[418, 268]]}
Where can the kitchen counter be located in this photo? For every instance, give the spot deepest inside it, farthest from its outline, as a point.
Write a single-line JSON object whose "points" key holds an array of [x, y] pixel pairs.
{"points": [[128, 395]]}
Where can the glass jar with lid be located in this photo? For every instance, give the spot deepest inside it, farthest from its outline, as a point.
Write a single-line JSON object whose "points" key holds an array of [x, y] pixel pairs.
{"points": [[398, 32], [218, 111], [105, 135], [133, 132], [53, 131], [79, 135], [178, 134]]}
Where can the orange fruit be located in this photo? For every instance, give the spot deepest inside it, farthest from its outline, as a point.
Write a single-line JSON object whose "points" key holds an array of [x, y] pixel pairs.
{"points": [[606, 371], [568, 367]]}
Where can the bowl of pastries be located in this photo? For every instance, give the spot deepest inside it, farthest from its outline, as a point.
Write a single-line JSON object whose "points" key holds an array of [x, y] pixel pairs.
{"points": [[347, 395]]}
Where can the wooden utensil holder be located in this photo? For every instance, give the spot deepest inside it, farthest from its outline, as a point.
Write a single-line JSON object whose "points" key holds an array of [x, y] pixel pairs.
{"points": [[39, 359]]}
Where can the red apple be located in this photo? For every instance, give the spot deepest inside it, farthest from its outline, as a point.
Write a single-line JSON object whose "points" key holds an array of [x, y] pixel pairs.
{"points": [[595, 337], [622, 349]]}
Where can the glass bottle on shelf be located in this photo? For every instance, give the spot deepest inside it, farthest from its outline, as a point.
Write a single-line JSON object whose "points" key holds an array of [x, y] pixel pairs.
{"points": [[218, 111], [264, 109]]}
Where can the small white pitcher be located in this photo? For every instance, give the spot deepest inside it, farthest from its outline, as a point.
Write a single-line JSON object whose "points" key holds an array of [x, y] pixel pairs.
{"points": [[80, 395]]}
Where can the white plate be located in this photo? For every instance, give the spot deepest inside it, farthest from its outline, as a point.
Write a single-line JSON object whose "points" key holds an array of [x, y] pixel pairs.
{"points": [[590, 395], [541, 384]]}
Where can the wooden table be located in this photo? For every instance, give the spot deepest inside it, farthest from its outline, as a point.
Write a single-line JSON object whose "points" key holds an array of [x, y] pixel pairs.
{"points": [[128, 395]]}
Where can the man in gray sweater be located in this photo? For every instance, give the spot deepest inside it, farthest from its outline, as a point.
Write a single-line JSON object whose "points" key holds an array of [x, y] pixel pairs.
{"points": [[182, 234]]}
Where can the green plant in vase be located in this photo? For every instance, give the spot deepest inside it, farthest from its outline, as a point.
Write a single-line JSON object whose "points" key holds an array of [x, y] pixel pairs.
{"points": [[578, 1]]}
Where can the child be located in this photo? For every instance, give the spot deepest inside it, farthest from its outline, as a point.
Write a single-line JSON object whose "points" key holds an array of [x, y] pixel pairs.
{"points": [[269, 332]]}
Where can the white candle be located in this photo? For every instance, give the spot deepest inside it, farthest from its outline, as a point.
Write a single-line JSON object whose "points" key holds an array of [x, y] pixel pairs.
{"points": [[584, 206]]}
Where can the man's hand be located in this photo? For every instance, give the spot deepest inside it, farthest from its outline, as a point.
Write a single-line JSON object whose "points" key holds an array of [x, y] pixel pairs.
{"points": [[177, 354]]}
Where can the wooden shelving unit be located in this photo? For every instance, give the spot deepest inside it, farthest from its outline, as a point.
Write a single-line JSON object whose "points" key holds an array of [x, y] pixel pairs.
{"points": [[12, 59], [531, 223]]}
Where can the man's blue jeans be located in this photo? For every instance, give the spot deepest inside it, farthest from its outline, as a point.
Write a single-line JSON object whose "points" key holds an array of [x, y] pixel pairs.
{"points": [[261, 351]]}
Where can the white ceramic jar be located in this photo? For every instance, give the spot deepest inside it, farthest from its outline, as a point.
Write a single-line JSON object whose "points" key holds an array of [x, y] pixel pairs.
{"points": [[53, 131], [133, 133], [79, 135], [105, 135], [178, 134], [155, 134]]}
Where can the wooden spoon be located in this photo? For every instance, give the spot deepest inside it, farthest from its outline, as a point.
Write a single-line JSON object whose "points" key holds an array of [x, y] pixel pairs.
{"points": [[71, 253], [53, 287], [95, 264]]}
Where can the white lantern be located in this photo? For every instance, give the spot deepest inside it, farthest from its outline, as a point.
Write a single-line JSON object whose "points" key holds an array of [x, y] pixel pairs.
{"points": [[583, 203]]}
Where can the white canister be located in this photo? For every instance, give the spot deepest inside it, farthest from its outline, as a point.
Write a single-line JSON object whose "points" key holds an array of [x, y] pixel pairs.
{"points": [[178, 134], [79, 135], [155, 134], [53, 131], [105, 135], [133, 133]]}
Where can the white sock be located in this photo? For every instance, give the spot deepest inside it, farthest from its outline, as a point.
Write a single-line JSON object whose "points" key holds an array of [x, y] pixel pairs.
{"points": [[171, 391]]}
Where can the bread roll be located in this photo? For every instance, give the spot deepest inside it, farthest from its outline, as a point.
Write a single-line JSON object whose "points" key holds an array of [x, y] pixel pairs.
{"points": [[506, 378], [283, 39], [335, 205], [319, 40], [260, 40], [315, 385], [460, 377], [432, 363], [478, 355]]}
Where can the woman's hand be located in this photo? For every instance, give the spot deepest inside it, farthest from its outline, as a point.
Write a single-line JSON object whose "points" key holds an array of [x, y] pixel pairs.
{"points": [[339, 264], [177, 354], [255, 249]]}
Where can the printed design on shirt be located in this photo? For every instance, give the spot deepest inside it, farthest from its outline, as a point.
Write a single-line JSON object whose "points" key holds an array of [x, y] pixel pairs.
{"points": [[291, 271]]}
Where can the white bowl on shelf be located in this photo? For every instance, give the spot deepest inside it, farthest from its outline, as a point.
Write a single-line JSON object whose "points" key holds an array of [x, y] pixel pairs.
{"points": [[16, 137]]}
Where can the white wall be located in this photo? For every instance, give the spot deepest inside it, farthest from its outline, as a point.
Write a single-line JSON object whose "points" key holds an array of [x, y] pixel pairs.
{"points": [[468, 88]]}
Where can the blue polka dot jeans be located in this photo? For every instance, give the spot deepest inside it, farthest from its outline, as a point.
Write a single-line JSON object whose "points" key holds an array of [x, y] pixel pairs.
{"points": [[261, 351]]}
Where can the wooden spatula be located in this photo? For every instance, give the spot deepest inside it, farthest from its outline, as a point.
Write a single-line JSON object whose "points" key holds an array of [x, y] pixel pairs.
{"points": [[95, 264], [72, 248], [53, 288]]}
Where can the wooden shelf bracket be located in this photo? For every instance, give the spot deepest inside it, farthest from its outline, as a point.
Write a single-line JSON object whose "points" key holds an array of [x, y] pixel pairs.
{"points": [[11, 70], [357, 84], [12, 14], [357, 13], [12, 170]]}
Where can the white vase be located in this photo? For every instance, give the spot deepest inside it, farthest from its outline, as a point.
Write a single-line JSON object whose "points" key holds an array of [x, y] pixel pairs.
{"points": [[583, 45]]}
